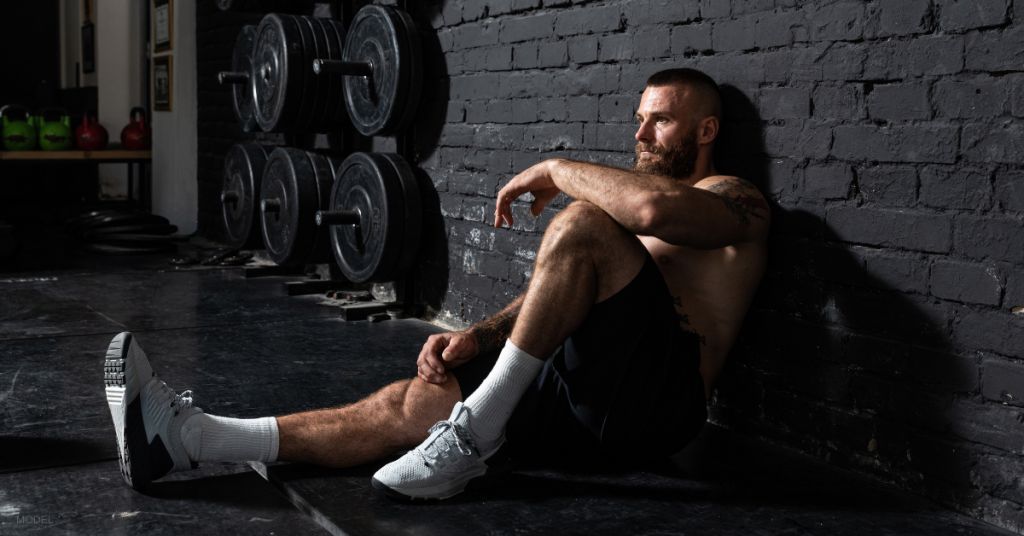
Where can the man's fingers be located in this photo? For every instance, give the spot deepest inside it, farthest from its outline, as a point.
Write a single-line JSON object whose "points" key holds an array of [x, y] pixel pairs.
{"points": [[434, 364], [426, 374], [455, 350], [502, 214], [503, 208]]}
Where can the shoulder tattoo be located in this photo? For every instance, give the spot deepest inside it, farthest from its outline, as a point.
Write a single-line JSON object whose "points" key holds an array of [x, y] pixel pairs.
{"points": [[741, 198]]}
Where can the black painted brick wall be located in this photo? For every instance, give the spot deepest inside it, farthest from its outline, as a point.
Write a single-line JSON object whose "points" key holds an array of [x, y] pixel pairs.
{"points": [[889, 136]]}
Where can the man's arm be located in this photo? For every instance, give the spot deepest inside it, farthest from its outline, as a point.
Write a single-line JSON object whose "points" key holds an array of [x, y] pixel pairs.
{"points": [[449, 350], [491, 333], [714, 213]]}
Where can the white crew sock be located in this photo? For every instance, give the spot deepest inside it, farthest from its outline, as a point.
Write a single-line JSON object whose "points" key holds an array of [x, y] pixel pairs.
{"points": [[209, 438], [492, 403]]}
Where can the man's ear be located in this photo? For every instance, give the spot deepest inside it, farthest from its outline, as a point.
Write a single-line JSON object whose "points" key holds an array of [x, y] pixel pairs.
{"points": [[707, 130]]}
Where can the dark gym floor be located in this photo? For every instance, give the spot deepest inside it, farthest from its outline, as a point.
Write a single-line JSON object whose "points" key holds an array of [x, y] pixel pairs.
{"points": [[248, 350]]}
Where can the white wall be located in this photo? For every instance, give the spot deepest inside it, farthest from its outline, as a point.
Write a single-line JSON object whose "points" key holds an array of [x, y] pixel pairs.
{"points": [[119, 48], [71, 44], [120, 52], [175, 137]]}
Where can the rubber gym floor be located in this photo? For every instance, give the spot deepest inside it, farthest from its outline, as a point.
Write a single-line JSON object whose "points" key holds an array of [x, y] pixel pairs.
{"points": [[247, 350]]}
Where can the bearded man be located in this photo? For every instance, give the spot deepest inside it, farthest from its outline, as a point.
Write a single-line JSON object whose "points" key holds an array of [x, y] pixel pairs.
{"points": [[638, 291]]}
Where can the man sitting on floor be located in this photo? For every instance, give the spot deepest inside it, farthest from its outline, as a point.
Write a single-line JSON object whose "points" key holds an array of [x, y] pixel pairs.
{"points": [[637, 294]]}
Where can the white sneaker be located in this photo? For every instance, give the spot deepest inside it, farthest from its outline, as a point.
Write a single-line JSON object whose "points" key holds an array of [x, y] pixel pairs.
{"points": [[147, 415], [443, 465]]}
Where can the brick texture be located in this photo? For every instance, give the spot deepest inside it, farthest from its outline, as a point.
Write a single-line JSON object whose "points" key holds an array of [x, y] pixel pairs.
{"points": [[889, 138]]}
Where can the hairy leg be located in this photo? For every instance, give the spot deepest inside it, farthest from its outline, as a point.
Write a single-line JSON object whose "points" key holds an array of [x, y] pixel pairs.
{"points": [[395, 418], [584, 258]]}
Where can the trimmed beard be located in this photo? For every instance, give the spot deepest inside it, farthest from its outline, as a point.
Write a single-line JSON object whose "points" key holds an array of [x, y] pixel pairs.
{"points": [[678, 161]]}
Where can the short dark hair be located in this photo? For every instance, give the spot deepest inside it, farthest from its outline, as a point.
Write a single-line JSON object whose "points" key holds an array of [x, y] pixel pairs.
{"points": [[702, 84]]}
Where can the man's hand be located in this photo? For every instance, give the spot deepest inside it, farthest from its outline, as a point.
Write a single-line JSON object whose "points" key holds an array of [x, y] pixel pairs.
{"points": [[536, 180], [445, 351]]}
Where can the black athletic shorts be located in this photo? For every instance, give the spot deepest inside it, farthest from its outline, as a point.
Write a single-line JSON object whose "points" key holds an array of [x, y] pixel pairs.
{"points": [[627, 383]]}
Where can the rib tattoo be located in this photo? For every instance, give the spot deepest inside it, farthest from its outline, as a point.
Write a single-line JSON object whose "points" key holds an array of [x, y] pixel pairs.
{"points": [[492, 332], [685, 319]]}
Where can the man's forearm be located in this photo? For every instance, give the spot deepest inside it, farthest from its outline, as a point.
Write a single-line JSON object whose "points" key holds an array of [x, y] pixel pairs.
{"points": [[491, 333], [624, 195]]}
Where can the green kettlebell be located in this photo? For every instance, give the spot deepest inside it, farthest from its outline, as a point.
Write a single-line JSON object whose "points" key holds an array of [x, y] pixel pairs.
{"points": [[19, 131], [54, 135]]}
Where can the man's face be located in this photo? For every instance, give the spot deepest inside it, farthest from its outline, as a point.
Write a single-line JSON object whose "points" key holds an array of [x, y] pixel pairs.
{"points": [[667, 137]]}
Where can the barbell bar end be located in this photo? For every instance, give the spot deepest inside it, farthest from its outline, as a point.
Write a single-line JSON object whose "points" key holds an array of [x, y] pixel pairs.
{"points": [[337, 217], [270, 205], [228, 77], [229, 197], [349, 68]]}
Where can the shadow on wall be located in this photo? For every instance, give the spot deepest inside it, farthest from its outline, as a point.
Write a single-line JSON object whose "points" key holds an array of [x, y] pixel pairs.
{"points": [[430, 275], [832, 359]]}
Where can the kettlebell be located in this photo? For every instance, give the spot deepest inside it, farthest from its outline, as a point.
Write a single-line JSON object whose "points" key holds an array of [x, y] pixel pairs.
{"points": [[19, 131], [90, 135], [54, 135], [136, 136]]}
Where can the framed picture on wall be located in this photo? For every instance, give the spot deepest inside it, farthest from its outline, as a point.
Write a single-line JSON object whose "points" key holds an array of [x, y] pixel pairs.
{"points": [[163, 84], [89, 48], [163, 25]]}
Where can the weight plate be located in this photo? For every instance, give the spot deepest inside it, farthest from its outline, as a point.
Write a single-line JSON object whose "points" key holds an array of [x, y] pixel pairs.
{"points": [[132, 229], [413, 215], [243, 174], [309, 78], [72, 222], [137, 249], [412, 69], [241, 62], [278, 76], [289, 182], [118, 219], [332, 84], [132, 238], [378, 36], [336, 32], [367, 182], [324, 169], [321, 84]]}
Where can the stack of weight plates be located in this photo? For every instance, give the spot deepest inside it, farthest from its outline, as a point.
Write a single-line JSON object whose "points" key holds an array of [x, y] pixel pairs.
{"points": [[287, 95], [122, 232], [371, 77]]}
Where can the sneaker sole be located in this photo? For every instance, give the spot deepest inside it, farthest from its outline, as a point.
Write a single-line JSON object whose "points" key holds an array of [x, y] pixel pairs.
{"points": [[494, 475], [135, 457]]}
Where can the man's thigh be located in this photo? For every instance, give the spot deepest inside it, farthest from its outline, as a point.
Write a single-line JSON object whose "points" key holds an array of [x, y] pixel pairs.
{"points": [[616, 253], [628, 376]]}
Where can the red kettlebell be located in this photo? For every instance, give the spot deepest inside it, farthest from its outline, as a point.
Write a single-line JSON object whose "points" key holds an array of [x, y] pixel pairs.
{"points": [[90, 135], [136, 136]]}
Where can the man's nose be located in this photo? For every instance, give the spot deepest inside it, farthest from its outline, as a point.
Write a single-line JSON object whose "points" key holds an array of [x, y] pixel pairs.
{"points": [[644, 132]]}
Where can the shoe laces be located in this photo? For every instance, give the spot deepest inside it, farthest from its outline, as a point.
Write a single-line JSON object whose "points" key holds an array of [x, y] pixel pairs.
{"points": [[182, 400], [459, 438]]}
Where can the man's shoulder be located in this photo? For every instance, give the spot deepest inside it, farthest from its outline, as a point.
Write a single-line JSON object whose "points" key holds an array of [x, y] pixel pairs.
{"points": [[737, 190], [727, 184]]}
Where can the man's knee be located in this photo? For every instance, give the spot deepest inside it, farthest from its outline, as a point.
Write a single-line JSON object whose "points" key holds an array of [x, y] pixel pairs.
{"points": [[424, 403], [583, 224]]}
